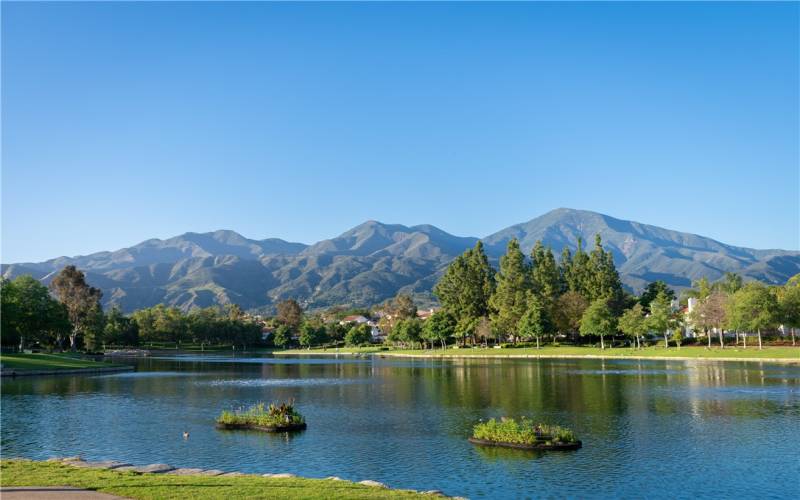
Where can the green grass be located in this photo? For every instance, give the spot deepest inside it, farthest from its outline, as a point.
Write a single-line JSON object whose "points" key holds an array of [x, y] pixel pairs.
{"points": [[522, 431], [262, 415], [334, 350], [19, 472], [698, 352], [22, 362]]}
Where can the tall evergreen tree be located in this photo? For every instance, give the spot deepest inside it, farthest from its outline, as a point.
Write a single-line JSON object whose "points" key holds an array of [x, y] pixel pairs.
{"points": [[510, 299], [465, 289]]}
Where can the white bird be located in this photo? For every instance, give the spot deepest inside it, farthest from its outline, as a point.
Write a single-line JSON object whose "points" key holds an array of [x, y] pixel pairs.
{"points": [[185, 435]]}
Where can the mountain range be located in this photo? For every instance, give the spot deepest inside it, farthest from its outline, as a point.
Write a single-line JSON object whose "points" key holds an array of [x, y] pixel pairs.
{"points": [[374, 261]]}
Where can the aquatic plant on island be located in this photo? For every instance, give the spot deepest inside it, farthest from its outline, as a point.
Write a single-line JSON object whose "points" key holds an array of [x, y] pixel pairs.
{"points": [[272, 418], [524, 433]]}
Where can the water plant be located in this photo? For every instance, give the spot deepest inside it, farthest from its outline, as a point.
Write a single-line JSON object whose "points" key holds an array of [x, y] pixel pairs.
{"points": [[523, 431], [261, 415]]}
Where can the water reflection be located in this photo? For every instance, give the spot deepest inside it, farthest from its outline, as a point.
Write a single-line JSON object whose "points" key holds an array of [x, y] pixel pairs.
{"points": [[405, 422]]}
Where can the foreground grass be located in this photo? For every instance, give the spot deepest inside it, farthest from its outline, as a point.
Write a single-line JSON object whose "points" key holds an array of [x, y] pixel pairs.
{"points": [[23, 362], [20, 472], [695, 352]]}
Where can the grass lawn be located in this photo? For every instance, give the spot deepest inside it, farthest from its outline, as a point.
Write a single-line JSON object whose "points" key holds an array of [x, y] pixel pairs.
{"points": [[698, 352], [334, 350], [19, 472], [23, 362]]}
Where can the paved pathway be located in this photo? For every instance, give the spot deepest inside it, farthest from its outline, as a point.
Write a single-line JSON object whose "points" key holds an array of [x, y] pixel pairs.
{"points": [[52, 493]]}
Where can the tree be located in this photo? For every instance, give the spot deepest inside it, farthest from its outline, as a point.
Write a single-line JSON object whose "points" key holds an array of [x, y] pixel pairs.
{"points": [[632, 323], [711, 313], [545, 276], [465, 289], [29, 313], [569, 311], [660, 315], [399, 308], [730, 283], [438, 328], [536, 320], [753, 308], [81, 301], [652, 290], [283, 336], [509, 301], [120, 329], [406, 331], [702, 288], [290, 314], [789, 306], [359, 335], [598, 319], [311, 335]]}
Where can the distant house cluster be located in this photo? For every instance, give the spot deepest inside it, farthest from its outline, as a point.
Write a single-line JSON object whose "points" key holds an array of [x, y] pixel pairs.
{"points": [[357, 319]]}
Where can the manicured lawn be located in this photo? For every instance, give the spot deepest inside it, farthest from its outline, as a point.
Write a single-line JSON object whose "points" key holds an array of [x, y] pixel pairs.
{"points": [[334, 350], [48, 362], [789, 353], [159, 486]]}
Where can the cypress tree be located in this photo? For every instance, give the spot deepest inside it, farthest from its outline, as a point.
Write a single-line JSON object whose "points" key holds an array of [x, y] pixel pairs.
{"points": [[509, 301]]}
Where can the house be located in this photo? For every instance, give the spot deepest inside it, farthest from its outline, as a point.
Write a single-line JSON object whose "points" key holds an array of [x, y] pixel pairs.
{"points": [[355, 318], [427, 313]]}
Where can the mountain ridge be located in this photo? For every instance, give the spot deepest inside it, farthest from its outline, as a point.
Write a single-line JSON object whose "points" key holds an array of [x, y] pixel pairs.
{"points": [[373, 261]]}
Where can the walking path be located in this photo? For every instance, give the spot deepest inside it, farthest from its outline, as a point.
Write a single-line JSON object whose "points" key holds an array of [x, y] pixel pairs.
{"points": [[53, 493]]}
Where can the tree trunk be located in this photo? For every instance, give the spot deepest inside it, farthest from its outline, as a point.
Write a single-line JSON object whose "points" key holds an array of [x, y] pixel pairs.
{"points": [[759, 339], [708, 334], [721, 338], [666, 342], [602, 344], [73, 337], [744, 340], [793, 336], [537, 341]]}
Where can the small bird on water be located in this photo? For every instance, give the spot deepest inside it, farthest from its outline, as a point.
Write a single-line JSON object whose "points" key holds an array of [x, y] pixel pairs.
{"points": [[185, 435]]}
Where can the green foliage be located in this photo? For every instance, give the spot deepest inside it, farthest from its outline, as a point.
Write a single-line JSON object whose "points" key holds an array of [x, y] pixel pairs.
{"points": [[359, 335], [30, 315], [633, 323], [753, 308], [652, 290], [536, 320], [439, 327], [282, 336], [509, 300], [465, 289], [81, 301], [406, 332], [598, 319], [522, 431], [120, 329], [211, 325], [262, 416], [660, 313], [312, 335]]}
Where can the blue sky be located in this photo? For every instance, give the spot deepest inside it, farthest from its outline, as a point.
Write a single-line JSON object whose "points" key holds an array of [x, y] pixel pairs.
{"points": [[123, 122]]}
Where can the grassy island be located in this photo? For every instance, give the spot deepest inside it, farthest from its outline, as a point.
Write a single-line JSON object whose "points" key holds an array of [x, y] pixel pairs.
{"points": [[270, 418], [524, 433]]}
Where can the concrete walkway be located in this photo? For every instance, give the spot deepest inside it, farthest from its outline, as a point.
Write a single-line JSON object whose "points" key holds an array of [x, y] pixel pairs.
{"points": [[53, 493]]}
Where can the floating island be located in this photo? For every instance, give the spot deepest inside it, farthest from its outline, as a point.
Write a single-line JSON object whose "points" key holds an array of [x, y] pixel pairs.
{"points": [[523, 434], [260, 417]]}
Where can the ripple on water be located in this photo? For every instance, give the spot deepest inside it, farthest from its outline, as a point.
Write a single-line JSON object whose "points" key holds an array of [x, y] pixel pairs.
{"points": [[626, 372], [279, 382], [150, 374]]}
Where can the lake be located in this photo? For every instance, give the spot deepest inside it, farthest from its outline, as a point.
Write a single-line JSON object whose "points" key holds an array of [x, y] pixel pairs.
{"points": [[655, 429]]}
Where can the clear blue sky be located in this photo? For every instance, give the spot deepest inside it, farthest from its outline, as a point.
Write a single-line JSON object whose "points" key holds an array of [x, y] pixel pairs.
{"points": [[123, 122]]}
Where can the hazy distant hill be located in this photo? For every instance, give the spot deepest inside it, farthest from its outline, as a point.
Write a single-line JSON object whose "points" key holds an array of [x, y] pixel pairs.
{"points": [[374, 261]]}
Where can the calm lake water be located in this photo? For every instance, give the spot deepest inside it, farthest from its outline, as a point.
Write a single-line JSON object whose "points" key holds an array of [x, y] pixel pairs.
{"points": [[651, 429]]}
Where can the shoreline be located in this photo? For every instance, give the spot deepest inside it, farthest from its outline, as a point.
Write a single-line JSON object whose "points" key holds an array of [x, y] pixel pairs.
{"points": [[10, 372], [440, 356], [153, 471]]}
